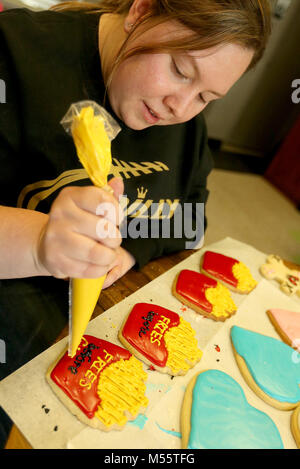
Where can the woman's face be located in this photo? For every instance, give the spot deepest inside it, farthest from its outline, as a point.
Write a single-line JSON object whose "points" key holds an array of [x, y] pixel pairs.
{"points": [[171, 88]]}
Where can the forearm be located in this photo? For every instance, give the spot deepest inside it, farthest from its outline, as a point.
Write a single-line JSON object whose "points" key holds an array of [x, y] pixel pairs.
{"points": [[20, 230]]}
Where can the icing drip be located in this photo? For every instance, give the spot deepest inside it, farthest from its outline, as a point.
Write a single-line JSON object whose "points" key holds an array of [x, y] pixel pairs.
{"points": [[221, 417], [182, 346]]}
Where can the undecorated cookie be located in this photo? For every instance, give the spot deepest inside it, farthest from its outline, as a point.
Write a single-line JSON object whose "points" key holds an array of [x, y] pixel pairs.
{"points": [[269, 366], [204, 295], [160, 338], [229, 271], [216, 415], [103, 385], [287, 324], [295, 425]]}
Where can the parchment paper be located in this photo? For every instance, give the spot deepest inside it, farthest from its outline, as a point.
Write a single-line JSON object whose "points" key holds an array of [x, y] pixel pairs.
{"points": [[46, 423]]}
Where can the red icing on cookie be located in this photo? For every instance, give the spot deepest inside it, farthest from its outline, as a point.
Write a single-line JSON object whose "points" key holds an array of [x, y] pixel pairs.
{"points": [[220, 266], [145, 328], [192, 285], [78, 376]]}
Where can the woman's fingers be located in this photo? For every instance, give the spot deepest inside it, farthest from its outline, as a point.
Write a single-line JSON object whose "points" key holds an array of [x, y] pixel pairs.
{"points": [[89, 199], [82, 233], [96, 227]]}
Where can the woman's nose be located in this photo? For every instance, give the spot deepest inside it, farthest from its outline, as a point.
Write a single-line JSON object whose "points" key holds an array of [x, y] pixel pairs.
{"points": [[184, 105]]}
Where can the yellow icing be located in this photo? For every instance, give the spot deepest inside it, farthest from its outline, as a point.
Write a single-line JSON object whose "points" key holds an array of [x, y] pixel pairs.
{"points": [[245, 280], [182, 346], [93, 145], [121, 388], [220, 298]]}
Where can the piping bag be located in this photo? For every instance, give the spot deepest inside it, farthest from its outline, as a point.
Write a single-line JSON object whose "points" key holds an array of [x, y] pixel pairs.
{"points": [[92, 129]]}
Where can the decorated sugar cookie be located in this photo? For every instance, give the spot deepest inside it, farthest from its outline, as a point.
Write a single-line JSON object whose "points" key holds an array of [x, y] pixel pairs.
{"points": [[216, 415], [228, 271], [161, 338], [289, 279], [270, 367], [295, 425], [103, 385], [287, 324], [204, 295]]}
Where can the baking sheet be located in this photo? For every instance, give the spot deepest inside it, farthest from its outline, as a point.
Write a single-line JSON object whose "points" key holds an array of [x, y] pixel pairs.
{"points": [[46, 423]]}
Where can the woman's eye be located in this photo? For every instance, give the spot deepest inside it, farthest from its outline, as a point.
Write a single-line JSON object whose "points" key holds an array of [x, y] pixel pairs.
{"points": [[178, 71]]}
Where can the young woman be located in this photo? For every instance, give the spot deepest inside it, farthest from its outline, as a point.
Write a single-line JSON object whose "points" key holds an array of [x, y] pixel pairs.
{"points": [[155, 65]]}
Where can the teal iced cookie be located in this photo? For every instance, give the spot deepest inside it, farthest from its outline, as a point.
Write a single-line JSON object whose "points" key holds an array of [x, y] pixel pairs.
{"points": [[217, 415], [270, 367]]}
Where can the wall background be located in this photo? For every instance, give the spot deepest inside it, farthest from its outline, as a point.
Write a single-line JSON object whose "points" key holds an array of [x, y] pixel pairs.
{"points": [[258, 112]]}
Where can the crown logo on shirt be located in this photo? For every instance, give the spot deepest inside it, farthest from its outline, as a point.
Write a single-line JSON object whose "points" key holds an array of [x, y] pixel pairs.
{"points": [[141, 192]]}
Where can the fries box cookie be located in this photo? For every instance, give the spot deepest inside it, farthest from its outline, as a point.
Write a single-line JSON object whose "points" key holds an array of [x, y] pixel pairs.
{"points": [[216, 415], [103, 385], [161, 338], [204, 295], [228, 271], [270, 367]]}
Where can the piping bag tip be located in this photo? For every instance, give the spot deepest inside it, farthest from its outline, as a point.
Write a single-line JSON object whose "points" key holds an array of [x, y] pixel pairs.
{"points": [[83, 297]]}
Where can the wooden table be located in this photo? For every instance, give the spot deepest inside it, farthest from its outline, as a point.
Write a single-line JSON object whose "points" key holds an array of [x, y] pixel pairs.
{"points": [[124, 287]]}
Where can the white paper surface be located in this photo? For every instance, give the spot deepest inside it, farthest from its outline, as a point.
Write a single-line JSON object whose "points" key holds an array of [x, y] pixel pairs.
{"points": [[46, 423]]}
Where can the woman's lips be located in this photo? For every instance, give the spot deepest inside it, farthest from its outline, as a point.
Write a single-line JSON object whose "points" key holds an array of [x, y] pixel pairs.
{"points": [[149, 115]]}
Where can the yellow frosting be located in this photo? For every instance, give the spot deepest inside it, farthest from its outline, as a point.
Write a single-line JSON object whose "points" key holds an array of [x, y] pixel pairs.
{"points": [[121, 388], [220, 298], [182, 346], [245, 280], [93, 145]]}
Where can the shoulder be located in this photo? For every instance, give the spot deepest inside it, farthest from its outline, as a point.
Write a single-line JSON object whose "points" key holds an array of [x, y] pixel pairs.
{"points": [[39, 36], [21, 15], [26, 23]]}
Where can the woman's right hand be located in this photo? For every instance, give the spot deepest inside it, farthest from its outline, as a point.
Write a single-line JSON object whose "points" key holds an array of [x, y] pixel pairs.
{"points": [[81, 236]]}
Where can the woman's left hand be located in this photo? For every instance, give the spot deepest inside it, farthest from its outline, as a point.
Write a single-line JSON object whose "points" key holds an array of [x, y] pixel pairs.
{"points": [[121, 265]]}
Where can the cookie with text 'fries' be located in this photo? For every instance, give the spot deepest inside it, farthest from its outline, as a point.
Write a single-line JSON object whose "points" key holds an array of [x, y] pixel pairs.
{"points": [[160, 338], [204, 295], [103, 385], [229, 271]]}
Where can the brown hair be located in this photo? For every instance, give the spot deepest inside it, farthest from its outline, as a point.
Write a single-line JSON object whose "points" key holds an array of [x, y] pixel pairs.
{"points": [[213, 22]]}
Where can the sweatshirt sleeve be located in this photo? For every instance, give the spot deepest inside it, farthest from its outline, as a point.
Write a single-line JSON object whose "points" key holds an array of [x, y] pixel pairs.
{"points": [[189, 221]]}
